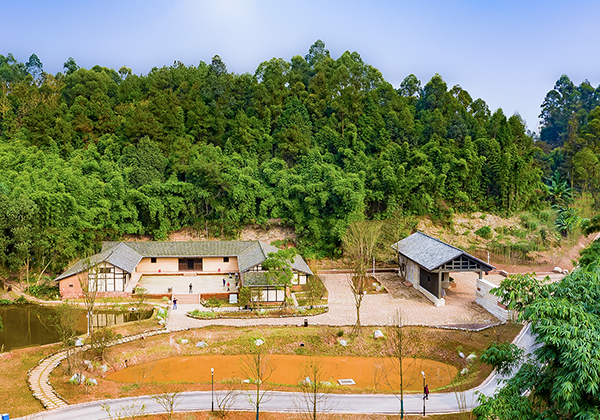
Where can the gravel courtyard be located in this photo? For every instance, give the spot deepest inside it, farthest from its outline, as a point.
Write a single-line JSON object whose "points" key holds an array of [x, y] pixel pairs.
{"points": [[376, 309]]}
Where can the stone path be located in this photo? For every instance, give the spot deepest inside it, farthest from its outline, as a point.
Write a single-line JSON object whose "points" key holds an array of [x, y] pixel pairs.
{"points": [[39, 376]]}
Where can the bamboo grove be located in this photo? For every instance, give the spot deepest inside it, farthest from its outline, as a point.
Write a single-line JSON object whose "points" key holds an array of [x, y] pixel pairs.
{"points": [[315, 143]]}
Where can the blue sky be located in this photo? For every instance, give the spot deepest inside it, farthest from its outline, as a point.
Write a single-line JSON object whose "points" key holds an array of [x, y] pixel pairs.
{"points": [[509, 53]]}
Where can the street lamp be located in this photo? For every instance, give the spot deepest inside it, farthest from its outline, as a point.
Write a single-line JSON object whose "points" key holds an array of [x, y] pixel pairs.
{"points": [[423, 373], [212, 389]]}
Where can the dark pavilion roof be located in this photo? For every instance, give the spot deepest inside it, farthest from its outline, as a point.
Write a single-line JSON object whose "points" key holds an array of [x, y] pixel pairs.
{"points": [[127, 255], [431, 253]]}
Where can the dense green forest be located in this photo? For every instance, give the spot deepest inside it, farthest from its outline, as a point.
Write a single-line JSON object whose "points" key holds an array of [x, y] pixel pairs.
{"points": [[317, 142]]}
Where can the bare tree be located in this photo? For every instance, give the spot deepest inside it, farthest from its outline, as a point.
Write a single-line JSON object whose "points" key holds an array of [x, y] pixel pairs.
{"points": [[227, 396], [65, 322], [142, 371], [169, 400], [397, 353], [359, 244], [128, 411], [460, 384], [256, 297], [89, 282], [141, 295], [378, 374], [101, 339], [315, 397], [257, 367], [314, 287]]}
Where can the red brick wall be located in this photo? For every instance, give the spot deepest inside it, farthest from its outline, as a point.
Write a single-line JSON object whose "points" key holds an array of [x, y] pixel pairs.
{"points": [[69, 287]]}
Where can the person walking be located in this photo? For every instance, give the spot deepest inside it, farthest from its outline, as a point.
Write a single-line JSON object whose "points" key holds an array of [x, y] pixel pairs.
{"points": [[174, 303], [191, 287], [426, 391], [224, 282]]}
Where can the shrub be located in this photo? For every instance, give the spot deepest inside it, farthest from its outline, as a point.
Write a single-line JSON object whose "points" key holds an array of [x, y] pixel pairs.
{"points": [[44, 292], [544, 216], [202, 314], [20, 300], [340, 333], [244, 296], [213, 302], [484, 232]]}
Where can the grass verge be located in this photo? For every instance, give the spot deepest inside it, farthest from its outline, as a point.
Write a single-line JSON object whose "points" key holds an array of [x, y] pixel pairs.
{"points": [[14, 365]]}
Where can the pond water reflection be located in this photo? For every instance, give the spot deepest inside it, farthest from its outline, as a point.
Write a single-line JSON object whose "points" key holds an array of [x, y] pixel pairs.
{"points": [[31, 325], [367, 372]]}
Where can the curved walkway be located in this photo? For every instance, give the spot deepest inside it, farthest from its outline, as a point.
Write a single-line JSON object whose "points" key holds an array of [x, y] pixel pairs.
{"points": [[438, 403], [39, 377]]}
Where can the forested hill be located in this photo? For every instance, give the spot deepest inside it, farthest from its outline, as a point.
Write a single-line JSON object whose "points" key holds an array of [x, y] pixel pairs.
{"points": [[317, 142]]}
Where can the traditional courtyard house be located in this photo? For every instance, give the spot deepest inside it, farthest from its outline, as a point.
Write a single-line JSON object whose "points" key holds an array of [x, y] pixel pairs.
{"points": [[427, 262], [119, 268]]}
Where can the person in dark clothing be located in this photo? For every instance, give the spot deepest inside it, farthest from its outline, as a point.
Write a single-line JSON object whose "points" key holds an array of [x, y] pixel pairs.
{"points": [[190, 287], [426, 392], [223, 282], [174, 303]]}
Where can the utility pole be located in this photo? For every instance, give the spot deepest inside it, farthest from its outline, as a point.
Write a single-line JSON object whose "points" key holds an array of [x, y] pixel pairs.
{"points": [[212, 389], [423, 373]]}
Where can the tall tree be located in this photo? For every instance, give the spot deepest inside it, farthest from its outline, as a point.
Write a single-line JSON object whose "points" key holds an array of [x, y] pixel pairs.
{"points": [[359, 242], [561, 380]]}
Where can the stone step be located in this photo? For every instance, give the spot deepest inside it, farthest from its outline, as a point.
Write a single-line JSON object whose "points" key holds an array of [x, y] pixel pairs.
{"points": [[188, 298]]}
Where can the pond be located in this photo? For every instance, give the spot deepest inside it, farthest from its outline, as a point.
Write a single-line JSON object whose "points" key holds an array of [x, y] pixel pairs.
{"points": [[366, 372], [31, 325]]}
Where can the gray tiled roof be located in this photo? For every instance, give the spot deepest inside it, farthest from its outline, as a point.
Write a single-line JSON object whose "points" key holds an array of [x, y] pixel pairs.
{"points": [[256, 278], [430, 253], [127, 255], [119, 255], [299, 264]]}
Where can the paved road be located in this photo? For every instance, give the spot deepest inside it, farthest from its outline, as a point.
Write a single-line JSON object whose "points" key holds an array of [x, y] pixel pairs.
{"points": [[438, 403]]}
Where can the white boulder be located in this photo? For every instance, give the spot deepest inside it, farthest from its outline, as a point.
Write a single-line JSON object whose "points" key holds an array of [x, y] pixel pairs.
{"points": [[78, 378]]}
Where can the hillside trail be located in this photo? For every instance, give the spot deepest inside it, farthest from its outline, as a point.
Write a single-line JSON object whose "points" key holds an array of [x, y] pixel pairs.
{"points": [[561, 257]]}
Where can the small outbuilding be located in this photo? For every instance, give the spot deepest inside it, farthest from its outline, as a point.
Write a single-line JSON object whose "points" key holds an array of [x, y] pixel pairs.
{"points": [[427, 262]]}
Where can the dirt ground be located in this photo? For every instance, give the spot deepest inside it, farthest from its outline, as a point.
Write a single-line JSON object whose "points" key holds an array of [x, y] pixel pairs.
{"points": [[561, 257]]}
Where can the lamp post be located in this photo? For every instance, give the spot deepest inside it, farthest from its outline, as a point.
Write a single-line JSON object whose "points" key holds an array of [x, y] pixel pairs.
{"points": [[212, 389], [423, 373]]}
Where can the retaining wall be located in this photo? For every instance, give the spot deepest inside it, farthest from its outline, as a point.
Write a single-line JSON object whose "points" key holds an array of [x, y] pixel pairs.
{"points": [[491, 302]]}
